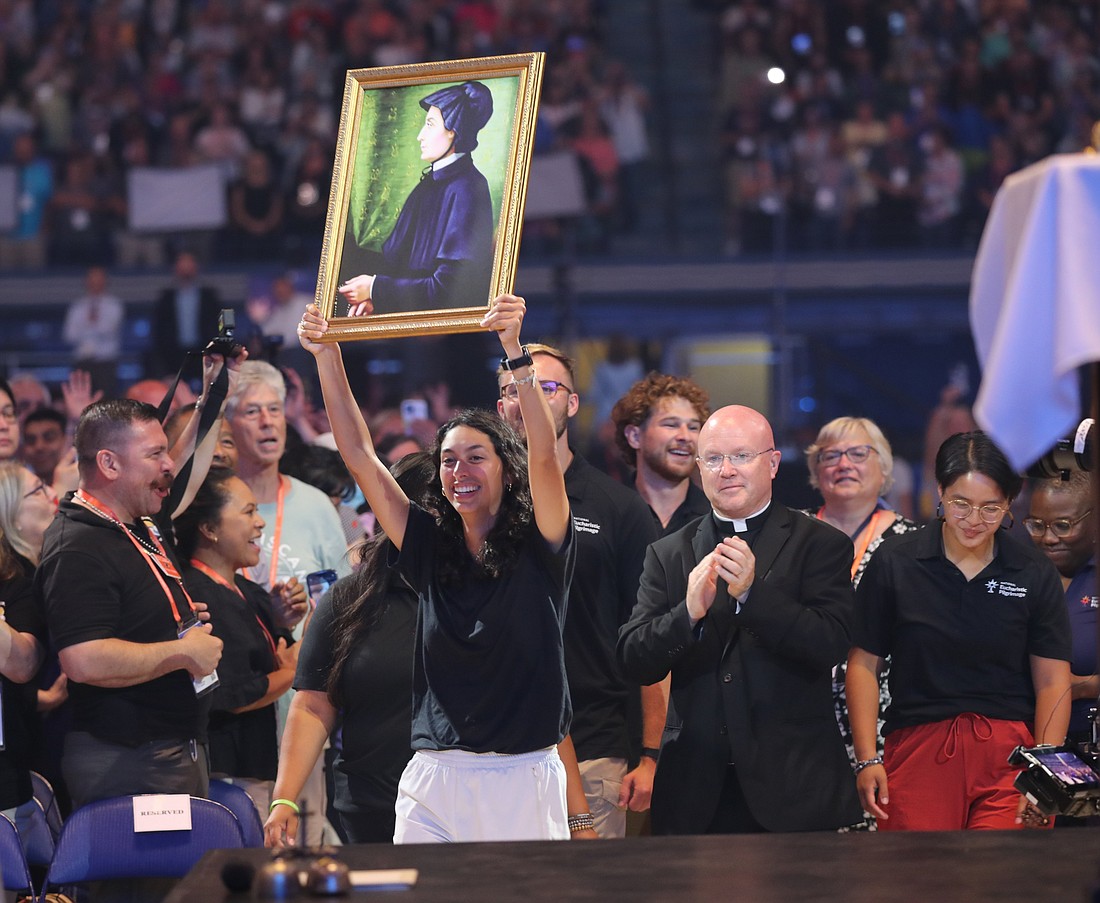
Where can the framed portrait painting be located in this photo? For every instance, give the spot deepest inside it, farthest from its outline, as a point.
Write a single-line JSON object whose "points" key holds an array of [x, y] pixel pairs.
{"points": [[428, 188]]}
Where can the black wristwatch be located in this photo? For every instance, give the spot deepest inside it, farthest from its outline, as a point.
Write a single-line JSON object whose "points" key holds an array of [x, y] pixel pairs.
{"points": [[524, 360], [650, 753]]}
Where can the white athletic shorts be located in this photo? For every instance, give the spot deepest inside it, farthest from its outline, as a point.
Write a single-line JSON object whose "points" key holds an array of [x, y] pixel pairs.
{"points": [[448, 796]]}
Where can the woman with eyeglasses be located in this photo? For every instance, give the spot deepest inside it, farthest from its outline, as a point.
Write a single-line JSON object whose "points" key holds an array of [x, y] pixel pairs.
{"points": [[27, 506], [1062, 524], [977, 632], [851, 465], [9, 423]]}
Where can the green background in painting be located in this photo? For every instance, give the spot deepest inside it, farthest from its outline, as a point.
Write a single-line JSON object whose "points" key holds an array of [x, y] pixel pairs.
{"points": [[387, 156]]}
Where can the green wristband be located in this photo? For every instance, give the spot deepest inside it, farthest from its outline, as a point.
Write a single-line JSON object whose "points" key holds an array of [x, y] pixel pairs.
{"points": [[293, 805]]}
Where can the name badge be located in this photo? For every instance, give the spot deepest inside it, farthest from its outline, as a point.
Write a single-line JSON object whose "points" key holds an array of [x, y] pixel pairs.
{"points": [[162, 812], [203, 685]]}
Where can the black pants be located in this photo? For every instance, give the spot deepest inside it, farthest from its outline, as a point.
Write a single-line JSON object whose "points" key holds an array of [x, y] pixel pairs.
{"points": [[95, 769], [733, 815]]}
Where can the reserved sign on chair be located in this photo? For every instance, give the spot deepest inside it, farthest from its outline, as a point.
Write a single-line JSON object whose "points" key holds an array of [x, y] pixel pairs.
{"points": [[162, 812]]}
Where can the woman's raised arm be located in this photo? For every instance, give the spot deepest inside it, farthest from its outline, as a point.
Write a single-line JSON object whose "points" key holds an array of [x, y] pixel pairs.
{"points": [[548, 496], [389, 504]]}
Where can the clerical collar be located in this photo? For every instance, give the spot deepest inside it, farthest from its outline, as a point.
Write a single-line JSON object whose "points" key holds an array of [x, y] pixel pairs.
{"points": [[447, 161], [742, 525]]}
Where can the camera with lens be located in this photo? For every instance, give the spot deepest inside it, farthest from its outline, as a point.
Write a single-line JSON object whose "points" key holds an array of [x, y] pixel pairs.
{"points": [[1058, 780], [224, 342], [1076, 452]]}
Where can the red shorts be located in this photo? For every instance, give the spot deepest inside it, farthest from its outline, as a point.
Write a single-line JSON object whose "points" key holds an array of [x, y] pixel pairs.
{"points": [[951, 775]]}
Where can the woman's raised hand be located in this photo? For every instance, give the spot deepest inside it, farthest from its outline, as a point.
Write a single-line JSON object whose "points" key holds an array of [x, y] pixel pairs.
{"points": [[311, 327], [505, 318]]}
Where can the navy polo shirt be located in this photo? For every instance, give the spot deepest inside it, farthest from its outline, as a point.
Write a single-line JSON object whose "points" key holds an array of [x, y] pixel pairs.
{"points": [[957, 645], [1082, 603]]}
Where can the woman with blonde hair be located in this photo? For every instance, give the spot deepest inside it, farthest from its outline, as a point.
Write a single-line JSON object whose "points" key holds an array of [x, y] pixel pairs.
{"points": [[26, 508], [851, 465]]}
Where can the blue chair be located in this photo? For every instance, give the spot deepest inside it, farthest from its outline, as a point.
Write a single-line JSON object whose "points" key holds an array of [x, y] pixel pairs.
{"points": [[13, 861], [34, 832], [44, 793], [98, 843], [237, 801]]}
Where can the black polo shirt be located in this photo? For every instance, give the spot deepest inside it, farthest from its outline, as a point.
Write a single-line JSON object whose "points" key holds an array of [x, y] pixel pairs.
{"points": [[614, 526], [694, 506], [957, 645]]}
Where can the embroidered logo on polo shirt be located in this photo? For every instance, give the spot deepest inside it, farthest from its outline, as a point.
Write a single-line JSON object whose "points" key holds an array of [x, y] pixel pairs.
{"points": [[1004, 588], [584, 525], [1090, 601]]}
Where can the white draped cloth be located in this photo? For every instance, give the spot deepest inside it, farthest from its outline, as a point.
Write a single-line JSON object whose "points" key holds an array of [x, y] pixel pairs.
{"points": [[1035, 303]]}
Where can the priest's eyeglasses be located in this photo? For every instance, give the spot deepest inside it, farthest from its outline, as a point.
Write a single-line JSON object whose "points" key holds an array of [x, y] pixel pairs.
{"points": [[740, 459]]}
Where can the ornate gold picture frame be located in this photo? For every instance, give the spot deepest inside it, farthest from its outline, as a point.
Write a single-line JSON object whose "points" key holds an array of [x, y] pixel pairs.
{"points": [[428, 188]]}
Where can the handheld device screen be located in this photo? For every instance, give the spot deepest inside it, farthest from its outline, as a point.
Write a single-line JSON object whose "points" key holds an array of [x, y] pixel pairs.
{"points": [[1069, 769], [317, 585]]}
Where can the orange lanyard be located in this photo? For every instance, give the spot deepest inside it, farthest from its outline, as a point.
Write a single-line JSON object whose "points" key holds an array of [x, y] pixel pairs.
{"points": [[866, 535], [156, 557], [204, 568], [276, 537]]}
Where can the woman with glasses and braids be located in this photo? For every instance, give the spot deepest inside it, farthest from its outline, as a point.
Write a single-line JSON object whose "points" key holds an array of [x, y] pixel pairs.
{"points": [[976, 628], [851, 465], [1062, 524]]}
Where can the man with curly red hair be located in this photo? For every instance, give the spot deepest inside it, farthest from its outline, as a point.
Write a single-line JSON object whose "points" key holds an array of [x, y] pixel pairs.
{"points": [[656, 427]]}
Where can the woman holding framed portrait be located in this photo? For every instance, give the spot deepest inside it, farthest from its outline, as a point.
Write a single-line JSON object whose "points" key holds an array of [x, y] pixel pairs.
{"points": [[491, 568]]}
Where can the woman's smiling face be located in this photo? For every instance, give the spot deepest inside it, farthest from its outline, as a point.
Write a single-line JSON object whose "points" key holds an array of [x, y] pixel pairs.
{"points": [[471, 472]]}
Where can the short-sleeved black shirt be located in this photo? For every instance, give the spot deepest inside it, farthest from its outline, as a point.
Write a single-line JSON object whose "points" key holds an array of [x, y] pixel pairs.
{"points": [[489, 671], [376, 715], [19, 700], [241, 745], [614, 526], [694, 506], [95, 585], [959, 646]]}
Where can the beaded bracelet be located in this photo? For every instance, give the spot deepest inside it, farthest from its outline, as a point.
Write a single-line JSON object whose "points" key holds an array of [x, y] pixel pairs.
{"points": [[866, 763], [582, 822], [293, 805], [528, 380]]}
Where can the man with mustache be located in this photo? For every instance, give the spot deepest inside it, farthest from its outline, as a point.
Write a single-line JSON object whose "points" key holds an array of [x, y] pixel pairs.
{"points": [[748, 608], [657, 426], [613, 529], [128, 635]]}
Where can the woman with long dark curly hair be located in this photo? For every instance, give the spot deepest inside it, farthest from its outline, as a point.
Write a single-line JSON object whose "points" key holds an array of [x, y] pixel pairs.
{"points": [[355, 672], [492, 571]]}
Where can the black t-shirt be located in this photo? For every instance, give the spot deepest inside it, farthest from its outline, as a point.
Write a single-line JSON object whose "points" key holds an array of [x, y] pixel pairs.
{"points": [[959, 646], [241, 745], [95, 585], [21, 726], [489, 671], [376, 717], [613, 527]]}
